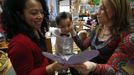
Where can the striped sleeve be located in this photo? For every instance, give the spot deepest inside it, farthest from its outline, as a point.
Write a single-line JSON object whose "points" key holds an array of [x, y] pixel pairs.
{"points": [[120, 57]]}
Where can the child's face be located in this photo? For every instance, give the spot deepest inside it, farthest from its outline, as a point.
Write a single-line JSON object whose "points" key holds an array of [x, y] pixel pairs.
{"points": [[65, 25]]}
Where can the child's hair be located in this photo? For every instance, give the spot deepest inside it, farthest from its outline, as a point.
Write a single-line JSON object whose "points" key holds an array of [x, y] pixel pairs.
{"points": [[63, 15]]}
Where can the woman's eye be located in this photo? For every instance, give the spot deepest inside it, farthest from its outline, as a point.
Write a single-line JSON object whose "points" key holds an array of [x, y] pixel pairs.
{"points": [[34, 12]]}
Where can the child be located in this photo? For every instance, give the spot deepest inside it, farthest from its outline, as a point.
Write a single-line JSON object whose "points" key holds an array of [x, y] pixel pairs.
{"points": [[64, 41]]}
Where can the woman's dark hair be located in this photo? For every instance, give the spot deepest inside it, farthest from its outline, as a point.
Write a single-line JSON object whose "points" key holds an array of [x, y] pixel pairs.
{"points": [[14, 24], [63, 15]]}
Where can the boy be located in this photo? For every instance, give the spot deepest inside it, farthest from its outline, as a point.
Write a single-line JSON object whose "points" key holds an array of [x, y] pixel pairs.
{"points": [[64, 41]]}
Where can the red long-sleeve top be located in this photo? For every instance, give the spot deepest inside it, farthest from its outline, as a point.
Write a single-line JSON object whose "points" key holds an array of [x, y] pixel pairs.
{"points": [[26, 56]]}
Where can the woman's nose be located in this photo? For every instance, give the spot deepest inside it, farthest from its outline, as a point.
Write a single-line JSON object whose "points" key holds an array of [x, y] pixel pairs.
{"points": [[98, 12], [40, 15]]}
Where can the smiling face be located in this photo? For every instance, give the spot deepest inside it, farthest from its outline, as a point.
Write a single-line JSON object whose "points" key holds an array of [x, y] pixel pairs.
{"points": [[33, 14], [104, 14]]}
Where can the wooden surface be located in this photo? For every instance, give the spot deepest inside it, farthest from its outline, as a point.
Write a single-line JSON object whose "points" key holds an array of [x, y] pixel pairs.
{"points": [[129, 68]]}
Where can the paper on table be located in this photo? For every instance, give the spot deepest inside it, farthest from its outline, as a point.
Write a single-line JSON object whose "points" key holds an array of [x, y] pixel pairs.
{"points": [[73, 59]]}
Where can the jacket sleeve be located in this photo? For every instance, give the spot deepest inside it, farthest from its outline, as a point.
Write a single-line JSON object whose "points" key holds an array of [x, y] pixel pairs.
{"points": [[23, 61], [86, 42], [82, 44], [121, 56]]}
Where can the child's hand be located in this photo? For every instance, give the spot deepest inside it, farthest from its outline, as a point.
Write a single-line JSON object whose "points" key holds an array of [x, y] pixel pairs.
{"points": [[72, 30]]}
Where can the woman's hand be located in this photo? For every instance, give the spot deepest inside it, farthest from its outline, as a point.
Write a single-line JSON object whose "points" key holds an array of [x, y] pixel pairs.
{"points": [[93, 25], [55, 67], [85, 67], [59, 67]]}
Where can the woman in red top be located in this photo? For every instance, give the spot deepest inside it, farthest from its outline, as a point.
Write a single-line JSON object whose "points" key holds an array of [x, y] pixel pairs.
{"points": [[25, 22]]}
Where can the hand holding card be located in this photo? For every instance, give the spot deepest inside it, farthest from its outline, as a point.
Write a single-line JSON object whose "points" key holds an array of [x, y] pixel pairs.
{"points": [[74, 58]]}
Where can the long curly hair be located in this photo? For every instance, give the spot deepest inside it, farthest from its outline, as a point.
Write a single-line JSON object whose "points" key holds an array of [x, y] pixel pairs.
{"points": [[14, 24]]}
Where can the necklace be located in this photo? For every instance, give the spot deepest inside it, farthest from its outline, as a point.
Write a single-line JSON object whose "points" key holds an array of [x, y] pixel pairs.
{"points": [[103, 36], [104, 33], [100, 45]]}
